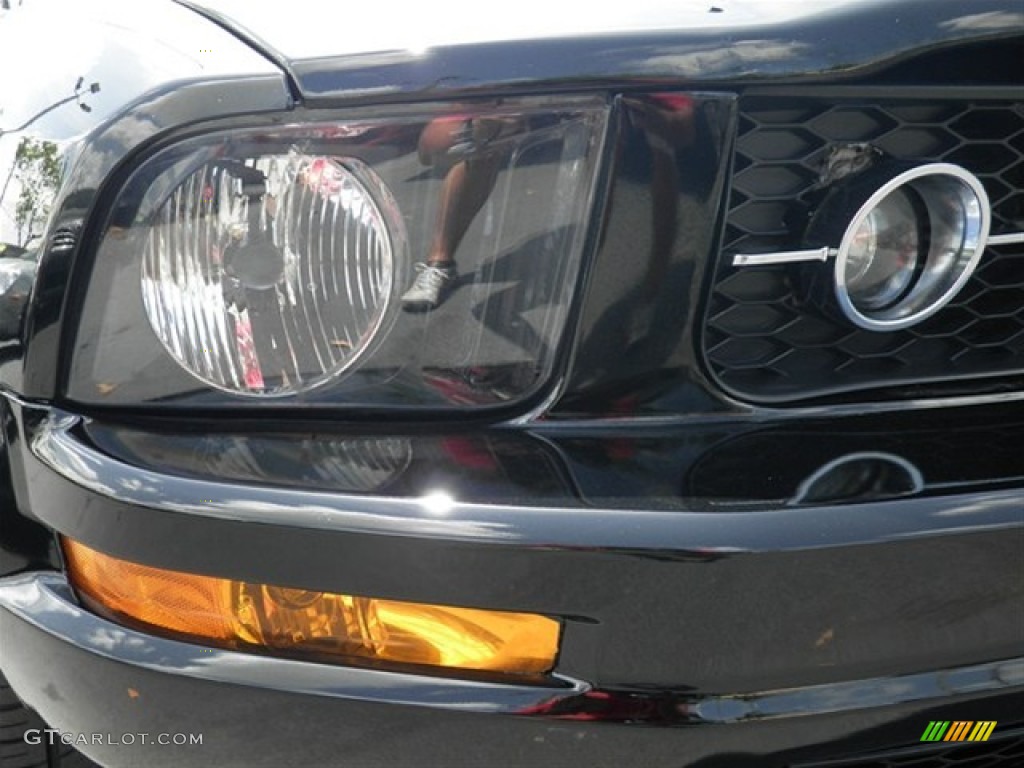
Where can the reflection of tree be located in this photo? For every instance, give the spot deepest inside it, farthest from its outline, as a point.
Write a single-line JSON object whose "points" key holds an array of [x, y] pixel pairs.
{"points": [[37, 170], [36, 167]]}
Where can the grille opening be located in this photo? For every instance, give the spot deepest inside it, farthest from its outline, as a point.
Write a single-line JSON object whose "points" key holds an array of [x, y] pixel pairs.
{"points": [[763, 341]]}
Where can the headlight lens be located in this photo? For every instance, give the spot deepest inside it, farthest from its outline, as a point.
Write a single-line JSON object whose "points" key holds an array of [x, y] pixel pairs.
{"points": [[270, 263], [270, 278]]}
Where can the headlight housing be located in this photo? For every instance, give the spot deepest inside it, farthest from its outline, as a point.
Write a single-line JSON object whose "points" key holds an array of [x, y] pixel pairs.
{"points": [[257, 264]]}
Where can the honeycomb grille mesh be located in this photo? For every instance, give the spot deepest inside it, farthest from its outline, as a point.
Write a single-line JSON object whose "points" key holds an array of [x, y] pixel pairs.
{"points": [[763, 342]]}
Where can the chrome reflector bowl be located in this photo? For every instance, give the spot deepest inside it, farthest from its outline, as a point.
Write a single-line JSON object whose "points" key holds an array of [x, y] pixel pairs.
{"points": [[911, 247], [273, 276]]}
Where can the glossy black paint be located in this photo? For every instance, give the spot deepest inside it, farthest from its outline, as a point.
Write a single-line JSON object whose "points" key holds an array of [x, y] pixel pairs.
{"points": [[633, 351], [702, 550], [47, 602], [14, 300], [696, 468], [470, 466], [25, 544], [681, 43]]}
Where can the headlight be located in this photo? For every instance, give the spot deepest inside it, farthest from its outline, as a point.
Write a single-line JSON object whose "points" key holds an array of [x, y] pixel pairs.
{"points": [[272, 262], [273, 277]]}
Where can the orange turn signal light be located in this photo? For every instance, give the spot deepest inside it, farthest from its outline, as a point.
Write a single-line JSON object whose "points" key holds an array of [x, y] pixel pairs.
{"points": [[243, 615]]}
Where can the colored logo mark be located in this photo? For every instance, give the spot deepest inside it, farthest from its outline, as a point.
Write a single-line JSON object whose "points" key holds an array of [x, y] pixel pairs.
{"points": [[958, 730]]}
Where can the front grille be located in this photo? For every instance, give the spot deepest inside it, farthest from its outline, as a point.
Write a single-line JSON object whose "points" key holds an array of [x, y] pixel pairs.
{"points": [[763, 341]]}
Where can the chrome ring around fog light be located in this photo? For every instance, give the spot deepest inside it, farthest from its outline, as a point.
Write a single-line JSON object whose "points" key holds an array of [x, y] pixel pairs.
{"points": [[911, 247]]}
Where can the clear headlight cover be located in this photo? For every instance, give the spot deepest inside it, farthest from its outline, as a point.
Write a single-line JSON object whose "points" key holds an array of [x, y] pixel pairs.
{"points": [[407, 260], [270, 278]]}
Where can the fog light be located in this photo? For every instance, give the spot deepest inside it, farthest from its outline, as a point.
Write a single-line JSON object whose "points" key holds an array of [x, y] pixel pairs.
{"points": [[882, 258], [911, 246], [247, 616]]}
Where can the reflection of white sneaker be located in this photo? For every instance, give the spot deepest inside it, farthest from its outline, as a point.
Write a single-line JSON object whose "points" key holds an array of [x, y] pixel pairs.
{"points": [[431, 287]]}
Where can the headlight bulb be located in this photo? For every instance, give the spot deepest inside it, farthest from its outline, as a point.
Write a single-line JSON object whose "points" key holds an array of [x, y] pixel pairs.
{"points": [[255, 260]]}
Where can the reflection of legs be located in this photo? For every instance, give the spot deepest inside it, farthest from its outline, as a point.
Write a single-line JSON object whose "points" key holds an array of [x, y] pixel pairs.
{"points": [[465, 189]]}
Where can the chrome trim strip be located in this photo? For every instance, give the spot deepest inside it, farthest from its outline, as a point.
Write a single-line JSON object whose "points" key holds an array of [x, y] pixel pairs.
{"points": [[1012, 238], [850, 695], [708, 533], [46, 602], [783, 257], [824, 254], [917, 483]]}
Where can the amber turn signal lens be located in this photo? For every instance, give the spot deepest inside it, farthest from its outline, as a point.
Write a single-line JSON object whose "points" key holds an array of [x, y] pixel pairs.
{"points": [[243, 615]]}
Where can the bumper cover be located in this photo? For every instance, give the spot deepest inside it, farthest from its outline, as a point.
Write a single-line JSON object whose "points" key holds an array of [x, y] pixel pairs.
{"points": [[796, 631], [90, 676]]}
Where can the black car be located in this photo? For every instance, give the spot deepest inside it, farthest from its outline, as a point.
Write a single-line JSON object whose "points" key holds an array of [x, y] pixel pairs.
{"points": [[525, 385]]}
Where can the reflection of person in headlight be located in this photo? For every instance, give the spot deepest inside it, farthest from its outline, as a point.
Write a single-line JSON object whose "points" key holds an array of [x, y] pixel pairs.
{"points": [[466, 148]]}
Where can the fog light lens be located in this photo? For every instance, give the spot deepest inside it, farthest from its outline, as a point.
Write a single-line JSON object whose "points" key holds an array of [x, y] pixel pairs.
{"points": [[911, 247], [243, 615], [883, 255]]}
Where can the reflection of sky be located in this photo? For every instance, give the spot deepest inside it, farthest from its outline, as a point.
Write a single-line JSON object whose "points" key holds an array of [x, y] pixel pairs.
{"points": [[986, 21], [718, 58], [370, 27], [147, 45]]}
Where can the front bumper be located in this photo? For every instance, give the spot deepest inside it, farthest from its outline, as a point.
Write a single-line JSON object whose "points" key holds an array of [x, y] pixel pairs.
{"points": [[787, 629], [89, 676]]}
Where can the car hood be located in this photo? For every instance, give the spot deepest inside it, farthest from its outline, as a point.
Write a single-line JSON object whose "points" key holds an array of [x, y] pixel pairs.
{"points": [[368, 50], [302, 29]]}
